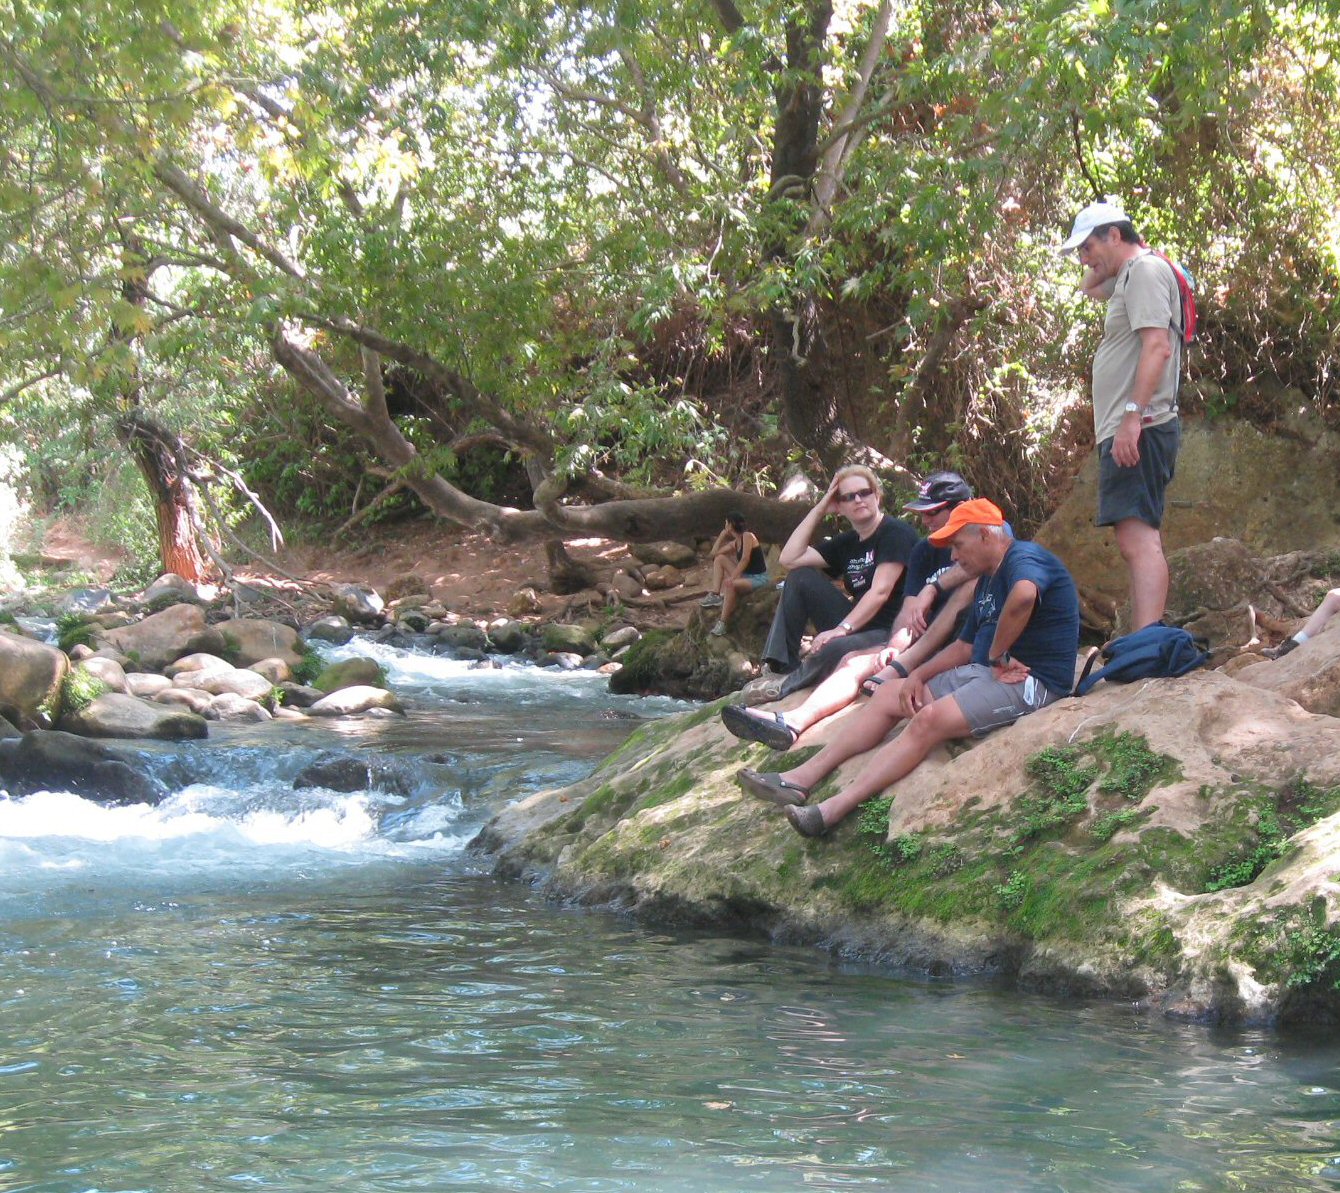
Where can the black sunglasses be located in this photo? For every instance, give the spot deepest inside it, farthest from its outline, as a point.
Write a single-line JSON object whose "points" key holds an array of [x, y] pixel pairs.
{"points": [[858, 495]]}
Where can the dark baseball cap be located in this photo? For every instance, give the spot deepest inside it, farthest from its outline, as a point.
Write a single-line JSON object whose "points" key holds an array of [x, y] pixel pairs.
{"points": [[939, 490]]}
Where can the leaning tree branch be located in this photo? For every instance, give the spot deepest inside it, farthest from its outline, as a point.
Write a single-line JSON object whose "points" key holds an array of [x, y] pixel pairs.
{"points": [[837, 153], [372, 506], [525, 435]]}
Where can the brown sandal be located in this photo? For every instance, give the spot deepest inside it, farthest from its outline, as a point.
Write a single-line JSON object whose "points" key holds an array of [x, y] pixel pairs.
{"points": [[807, 821], [773, 788]]}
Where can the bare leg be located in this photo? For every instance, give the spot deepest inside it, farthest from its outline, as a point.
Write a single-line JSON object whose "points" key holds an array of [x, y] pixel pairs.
{"points": [[836, 692], [939, 721], [733, 591], [720, 568], [1328, 608], [856, 735], [1141, 546]]}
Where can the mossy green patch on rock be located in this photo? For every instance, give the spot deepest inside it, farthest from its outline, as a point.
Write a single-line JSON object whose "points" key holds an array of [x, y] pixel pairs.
{"points": [[1269, 819], [1293, 946]]}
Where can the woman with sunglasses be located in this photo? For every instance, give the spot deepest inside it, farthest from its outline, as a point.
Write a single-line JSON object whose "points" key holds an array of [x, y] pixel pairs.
{"points": [[870, 559]]}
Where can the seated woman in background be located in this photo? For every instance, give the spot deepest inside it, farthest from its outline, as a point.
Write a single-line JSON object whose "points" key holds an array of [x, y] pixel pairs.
{"points": [[738, 567]]}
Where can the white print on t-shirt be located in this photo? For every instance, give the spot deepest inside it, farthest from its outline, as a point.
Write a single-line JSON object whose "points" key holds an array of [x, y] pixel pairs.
{"points": [[858, 571]]}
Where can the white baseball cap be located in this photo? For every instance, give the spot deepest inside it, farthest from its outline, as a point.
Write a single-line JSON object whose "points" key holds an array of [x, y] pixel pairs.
{"points": [[1095, 215]]}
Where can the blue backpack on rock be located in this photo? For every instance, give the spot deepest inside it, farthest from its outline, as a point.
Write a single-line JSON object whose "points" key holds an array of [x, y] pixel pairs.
{"points": [[1155, 652]]}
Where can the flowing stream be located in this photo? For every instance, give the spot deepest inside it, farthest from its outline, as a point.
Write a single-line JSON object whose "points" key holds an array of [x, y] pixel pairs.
{"points": [[252, 987]]}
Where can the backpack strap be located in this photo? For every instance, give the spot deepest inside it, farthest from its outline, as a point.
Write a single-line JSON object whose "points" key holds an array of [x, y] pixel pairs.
{"points": [[1094, 654]]}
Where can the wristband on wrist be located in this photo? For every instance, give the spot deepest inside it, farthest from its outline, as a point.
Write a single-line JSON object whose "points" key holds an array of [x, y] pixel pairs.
{"points": [[845, 626], [1000, 660], [898, 667]]}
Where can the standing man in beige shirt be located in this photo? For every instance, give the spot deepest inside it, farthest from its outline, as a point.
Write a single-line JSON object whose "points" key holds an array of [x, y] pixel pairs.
{"points": [[1135, 377]]}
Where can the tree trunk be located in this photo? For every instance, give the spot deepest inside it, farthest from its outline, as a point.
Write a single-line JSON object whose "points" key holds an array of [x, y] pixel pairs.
{"points": [[158, 454]]}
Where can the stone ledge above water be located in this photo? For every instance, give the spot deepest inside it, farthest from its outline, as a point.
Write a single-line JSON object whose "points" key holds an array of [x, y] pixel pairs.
{"points": [[1086, 873]]}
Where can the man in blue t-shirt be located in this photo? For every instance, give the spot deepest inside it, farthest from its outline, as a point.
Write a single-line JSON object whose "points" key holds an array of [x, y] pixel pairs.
{"points": [[1015, 654]]}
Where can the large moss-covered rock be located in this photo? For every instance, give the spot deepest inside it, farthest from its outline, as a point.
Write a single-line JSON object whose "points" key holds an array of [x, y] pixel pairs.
{"points": [[162, 638], [31, 674], [565, 637], [691, 664], [348, 673], [1166, 841], [251, 639]]}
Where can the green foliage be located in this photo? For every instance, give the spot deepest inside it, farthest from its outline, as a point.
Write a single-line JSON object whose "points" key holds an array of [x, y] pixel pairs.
{"points": [[1294, 946], [1013, 891], [943, 859], [1132, 767], [573, 230], [80, 689], [1058, 772], [872, 823], [641, 665], [74, 629], [136, 574], [310, 666], [1105, 827], [1061, 785]]}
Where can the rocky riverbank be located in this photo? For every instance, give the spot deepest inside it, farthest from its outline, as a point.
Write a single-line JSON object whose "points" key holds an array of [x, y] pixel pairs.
{"points": [[167, 662], [1172, 842]]}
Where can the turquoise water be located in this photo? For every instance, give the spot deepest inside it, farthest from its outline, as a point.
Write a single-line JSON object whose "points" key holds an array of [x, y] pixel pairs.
{"points": [[254, 988]]}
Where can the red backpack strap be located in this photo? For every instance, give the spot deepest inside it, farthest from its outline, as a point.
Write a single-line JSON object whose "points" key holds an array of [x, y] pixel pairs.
{"points": [[1188, 295]]}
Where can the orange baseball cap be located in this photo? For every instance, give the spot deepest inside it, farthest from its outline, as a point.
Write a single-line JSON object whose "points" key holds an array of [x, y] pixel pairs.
{"points": [[977, 512]]}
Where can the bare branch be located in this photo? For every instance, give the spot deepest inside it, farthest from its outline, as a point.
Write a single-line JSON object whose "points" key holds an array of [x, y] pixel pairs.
{"points": [[372, 506], [15, 390], [524, 435], [195, 198]]}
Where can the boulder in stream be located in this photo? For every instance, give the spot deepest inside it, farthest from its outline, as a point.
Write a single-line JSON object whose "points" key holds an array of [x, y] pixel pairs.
{"points": [[351, 701], [49, 760], [349, 772], [1171, 842], [116, 715], [31, 674]]}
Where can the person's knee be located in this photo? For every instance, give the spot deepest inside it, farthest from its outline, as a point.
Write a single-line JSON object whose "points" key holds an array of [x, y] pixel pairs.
{"points": [[798, 589], [938, 721], [1138, 540], [886, 698]]}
